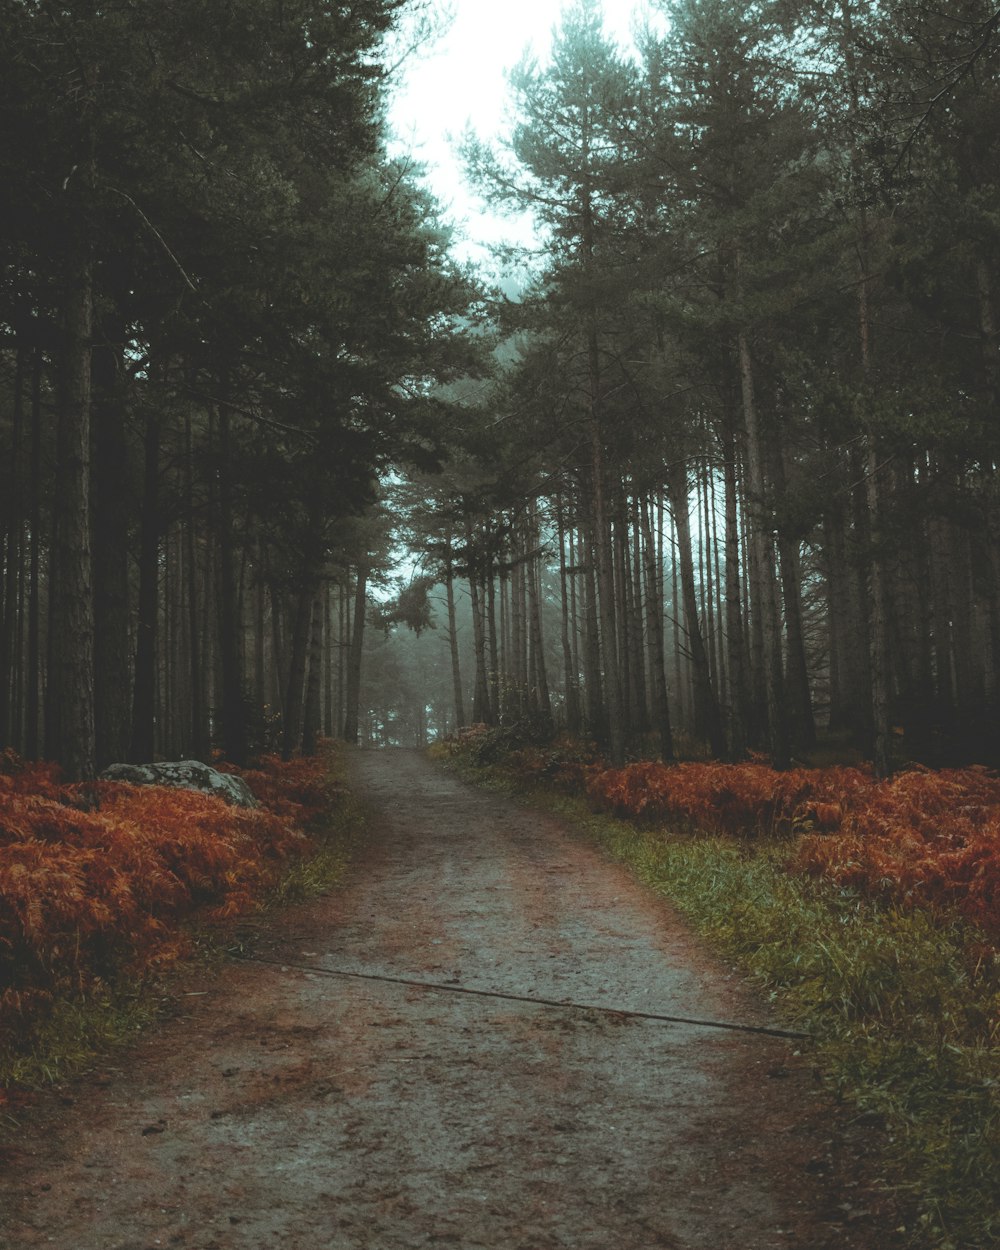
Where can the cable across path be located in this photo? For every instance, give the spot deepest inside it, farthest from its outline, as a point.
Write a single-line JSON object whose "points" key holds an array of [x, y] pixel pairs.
{"points": [[533, 1000]]}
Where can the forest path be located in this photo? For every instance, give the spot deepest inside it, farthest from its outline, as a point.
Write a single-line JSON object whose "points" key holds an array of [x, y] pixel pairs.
{"points": [[292, 1108]]}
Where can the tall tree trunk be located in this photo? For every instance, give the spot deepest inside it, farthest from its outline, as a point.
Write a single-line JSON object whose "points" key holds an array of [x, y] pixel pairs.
{"points": [[878, 606], [570, 678], [143, 745], [878, 636], [505, 643], [311, 718], [353, 699], [596, 725], [329, 666], [990, 337], [878, 620], [234, 721], [481, 693], [604, 559], [707, 579], [739, 695], [803, 725], [633, 606], [683, 702], [200, 736], [291, 737], [456, 668], [519, 624], [623, 623], [575, 626], [516, 670], [178, 680], [491, 622], [708, 718], [481, 711], [849, 669], [110, 506], [343, 646], [10, 605], [70, 705], [762, 563], [540, 681], [722, 672], [32, 728], [260, 695], [654, 633]]}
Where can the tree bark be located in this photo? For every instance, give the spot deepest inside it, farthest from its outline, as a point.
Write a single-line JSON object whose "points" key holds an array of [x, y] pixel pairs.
{"points": [[143, 746], [200, 735], [111, 510], [33, 708], [540, 681], [762, 564], [592, 641], [70, 704], [456, 667], [739, 695], [353, 693], [291, 738], [654, 633], [311, 717], [13, 563], [234, 726], [329, 719], [849, 661], [990, 335], [481, 693], [877, 617], [632, 565], [570, 677], [604, 557], [803, 725], [491, 622], [708, 718]]}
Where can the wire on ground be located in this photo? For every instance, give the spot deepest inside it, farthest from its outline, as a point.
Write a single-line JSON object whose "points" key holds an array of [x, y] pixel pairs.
{"points": [[560, 1004]]}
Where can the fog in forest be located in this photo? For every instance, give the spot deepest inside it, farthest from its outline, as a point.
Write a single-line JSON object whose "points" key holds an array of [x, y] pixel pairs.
{"points": [[701, 462]]}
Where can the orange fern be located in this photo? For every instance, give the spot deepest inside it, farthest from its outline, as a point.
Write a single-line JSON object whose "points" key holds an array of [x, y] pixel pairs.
{"points": [[85, 894], [922, 838]]}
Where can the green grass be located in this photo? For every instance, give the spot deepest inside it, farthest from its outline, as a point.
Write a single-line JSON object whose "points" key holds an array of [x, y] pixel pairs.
{"points": [[324, 870], [903, 1006], [73, 1034]]}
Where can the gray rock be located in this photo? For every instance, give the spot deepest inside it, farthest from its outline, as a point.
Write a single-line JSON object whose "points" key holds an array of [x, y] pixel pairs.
{"points": [[184, 775]]}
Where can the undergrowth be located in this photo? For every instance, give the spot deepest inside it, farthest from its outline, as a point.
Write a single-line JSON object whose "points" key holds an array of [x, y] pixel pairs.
{"points": [[78, 1025], [902, 1003]]}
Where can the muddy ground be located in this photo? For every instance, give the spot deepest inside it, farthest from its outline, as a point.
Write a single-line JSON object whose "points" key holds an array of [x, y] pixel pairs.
{"points": [[284, 1106]]}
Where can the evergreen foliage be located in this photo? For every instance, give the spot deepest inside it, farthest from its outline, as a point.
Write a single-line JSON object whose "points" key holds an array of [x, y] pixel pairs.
{"points": [[722, 474], [223, 308], [749, 402]]}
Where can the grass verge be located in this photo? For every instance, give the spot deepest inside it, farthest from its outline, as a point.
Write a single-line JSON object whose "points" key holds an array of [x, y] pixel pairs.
{"points": [[903, 1006]]}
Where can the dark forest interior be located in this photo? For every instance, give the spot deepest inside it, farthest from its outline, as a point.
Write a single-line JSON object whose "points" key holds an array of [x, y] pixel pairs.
{"points": [[720, 475]]}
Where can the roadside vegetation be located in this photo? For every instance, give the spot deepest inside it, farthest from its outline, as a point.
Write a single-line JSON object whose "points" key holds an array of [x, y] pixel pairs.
{"points": [[868, 912], [99, 904]]}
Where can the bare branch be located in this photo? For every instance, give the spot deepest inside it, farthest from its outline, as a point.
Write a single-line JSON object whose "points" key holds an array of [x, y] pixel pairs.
{"points": [[159, 237]]}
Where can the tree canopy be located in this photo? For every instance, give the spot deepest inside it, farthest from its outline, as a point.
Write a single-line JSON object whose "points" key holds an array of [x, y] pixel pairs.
{"points": [[721, 477]]}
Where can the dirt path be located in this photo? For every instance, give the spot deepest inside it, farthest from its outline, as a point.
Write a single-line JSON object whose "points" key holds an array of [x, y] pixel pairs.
{"points": [[292, 1108]]}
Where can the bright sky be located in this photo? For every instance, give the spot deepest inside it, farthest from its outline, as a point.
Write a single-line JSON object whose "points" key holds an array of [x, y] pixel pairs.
{"points": [[460, 79]]}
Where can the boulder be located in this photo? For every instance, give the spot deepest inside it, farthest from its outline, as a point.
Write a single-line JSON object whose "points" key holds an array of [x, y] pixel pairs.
{"points": [[184, 775]]}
